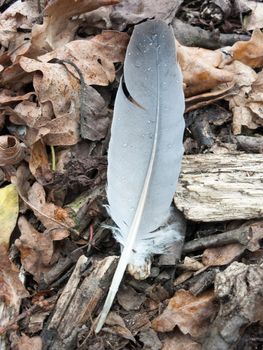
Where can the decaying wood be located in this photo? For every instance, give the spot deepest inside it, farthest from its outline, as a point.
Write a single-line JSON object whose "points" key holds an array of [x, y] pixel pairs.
{"points": [[219, 187], [78, 302]]}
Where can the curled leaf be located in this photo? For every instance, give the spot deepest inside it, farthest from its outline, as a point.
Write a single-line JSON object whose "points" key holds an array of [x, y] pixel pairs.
{"points": [[11, 150]]}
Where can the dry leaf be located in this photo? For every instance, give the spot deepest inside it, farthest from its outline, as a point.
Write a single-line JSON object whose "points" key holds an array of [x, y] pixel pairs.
{"points": [[150, 340], [37, 249], [38, 162], [64, 97], [11, 150], [32, 115], [7, 96], [11, 288], [8, 212], [118, 327], [255, 99], [248, 86], [129, 299], [192, 314], [94, 115], [222, 255], [47, 211], [19, 15], [179, 341], [207, 98], [95, 58], [49, 214], [250, 52], [203, 73], [57, 28]]}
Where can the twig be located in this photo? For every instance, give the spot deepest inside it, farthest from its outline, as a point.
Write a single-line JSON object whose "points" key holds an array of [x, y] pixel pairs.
{"points": [[241, 235]]}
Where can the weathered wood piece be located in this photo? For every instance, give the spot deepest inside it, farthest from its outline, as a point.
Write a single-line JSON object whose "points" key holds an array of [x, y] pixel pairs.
{"points": [[219, 187], [78, 302]]}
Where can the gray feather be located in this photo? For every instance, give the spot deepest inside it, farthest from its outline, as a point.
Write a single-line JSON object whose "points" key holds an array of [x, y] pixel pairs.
{"points": [[145, 149]]}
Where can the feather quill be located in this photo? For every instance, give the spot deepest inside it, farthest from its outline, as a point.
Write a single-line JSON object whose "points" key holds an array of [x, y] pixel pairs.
{"points": [[145, 152]]}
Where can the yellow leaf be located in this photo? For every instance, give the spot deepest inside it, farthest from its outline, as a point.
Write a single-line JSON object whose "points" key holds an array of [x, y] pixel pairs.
{"points": [[8, 212]]}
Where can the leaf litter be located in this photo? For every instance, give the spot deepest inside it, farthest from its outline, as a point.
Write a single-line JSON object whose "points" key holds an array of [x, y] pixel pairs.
{"points": [[60, 64]]}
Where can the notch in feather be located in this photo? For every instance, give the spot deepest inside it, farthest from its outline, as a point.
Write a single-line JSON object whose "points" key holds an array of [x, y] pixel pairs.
{"points": [[145, 152]]}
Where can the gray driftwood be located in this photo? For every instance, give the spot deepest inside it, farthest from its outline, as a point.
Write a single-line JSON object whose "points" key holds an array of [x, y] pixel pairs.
{"points": [[219, 187]]}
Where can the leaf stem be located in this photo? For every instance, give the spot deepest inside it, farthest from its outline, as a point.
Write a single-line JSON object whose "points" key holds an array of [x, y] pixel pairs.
{"points": [[53, 158]]}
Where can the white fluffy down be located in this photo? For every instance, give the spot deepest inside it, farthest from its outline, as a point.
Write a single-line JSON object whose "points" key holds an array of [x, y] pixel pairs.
{"points": [[150, 243]]}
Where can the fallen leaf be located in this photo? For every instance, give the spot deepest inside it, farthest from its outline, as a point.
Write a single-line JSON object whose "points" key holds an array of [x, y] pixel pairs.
{"points": [[203, 73], [11, 150], [8, 212], [94, 116], [95, 58], [249, 52], [150, 340], [118, 327], [222, 255], [38, 162], [12, 291], [179, 341], [207, 98], [19, 15], [7, 96], [192, 314], [37, 249], [64, 97], [129, 299], [34, 197], [57, 28], [47, 211], [32, 115], [248, 85]]}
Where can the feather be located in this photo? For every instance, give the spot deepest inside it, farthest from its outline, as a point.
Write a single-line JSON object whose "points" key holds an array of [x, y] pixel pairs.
{"points": [[145, 152]]}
